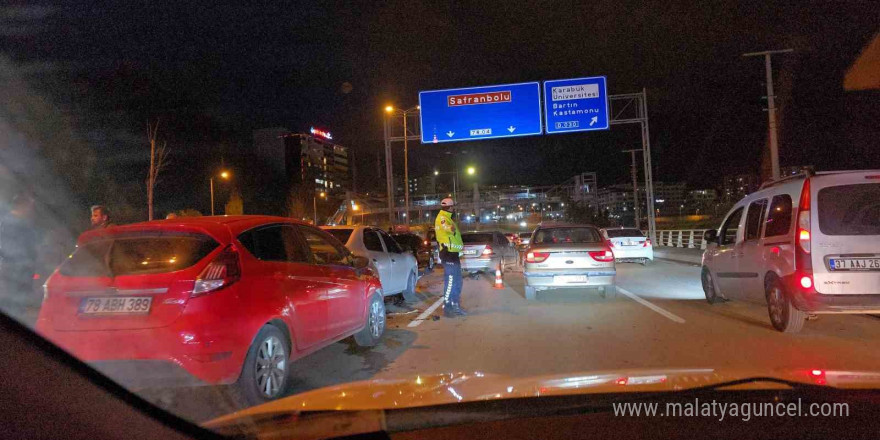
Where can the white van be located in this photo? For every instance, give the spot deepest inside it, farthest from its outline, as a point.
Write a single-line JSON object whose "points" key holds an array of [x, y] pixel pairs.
{"points": [[803, 245]]}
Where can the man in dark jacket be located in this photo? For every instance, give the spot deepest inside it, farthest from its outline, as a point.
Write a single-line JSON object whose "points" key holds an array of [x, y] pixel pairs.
{"points": [[100, 217]]}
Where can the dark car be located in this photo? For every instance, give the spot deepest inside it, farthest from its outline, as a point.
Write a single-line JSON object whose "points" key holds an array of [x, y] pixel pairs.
{"points": [[419, 246]]}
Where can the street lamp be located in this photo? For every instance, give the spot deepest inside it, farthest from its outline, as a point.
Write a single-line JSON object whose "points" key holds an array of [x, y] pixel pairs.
{"points": [[315, 205], [471, 171], [391, 110], [223, 175], [454, 178]]}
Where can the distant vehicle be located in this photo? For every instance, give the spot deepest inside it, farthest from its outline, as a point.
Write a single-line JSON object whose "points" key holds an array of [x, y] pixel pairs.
{"points": [[397, 268], [420, 248], [805, 245], [629, 245], [525, 237], [485, 251], [568, 256], [213, 300], [435, 248]]}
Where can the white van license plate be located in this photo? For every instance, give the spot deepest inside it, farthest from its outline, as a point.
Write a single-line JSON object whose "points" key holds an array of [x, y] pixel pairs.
{"points": [[854, 263]]}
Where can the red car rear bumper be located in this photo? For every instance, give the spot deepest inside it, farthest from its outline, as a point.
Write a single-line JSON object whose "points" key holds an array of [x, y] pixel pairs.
{"points": [[209, 347]]}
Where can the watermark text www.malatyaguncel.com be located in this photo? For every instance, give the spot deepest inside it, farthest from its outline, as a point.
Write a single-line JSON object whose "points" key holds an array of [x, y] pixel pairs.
{"points": [[720, 410]]}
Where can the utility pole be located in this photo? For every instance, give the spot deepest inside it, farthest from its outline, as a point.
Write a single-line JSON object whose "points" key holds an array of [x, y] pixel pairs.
{"points": [[771, 108], [389, 172], [635, 176], [405, 169]]}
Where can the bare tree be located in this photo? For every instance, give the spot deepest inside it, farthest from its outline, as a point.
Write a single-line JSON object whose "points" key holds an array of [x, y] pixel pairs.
{"points": [[158, 161]]}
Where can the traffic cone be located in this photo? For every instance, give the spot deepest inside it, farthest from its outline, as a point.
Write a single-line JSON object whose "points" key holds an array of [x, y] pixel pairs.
{"points": [[499, 283]]}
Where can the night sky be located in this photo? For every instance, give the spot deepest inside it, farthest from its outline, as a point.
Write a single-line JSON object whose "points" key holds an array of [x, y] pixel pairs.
{"points": [[212, 74]]}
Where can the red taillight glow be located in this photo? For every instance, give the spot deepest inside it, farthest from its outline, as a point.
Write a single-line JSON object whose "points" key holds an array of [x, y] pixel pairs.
{"points": [[804, 235], [603, 256], [536, 257], [647, 242], [224, 270], [803, 262], [610, 244], [36, 276], [816, 373], [487, 250], [621, 381]]}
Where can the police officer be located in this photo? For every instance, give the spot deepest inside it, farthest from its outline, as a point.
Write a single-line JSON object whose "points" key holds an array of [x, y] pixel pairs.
{"points": [[449, 240]]}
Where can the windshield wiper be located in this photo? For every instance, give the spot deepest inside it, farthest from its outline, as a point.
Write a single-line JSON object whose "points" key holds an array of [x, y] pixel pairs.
{"points": [[757, 379]]}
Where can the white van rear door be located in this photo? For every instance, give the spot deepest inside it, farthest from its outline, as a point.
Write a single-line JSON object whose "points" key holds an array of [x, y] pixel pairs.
{"points": [[845, 233]]}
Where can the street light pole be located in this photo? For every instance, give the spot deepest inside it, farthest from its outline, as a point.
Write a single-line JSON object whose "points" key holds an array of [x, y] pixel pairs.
{"points": [[212, 196], [405, 169], [315, 206], [771, 108], [224, 175], [454, 192]]}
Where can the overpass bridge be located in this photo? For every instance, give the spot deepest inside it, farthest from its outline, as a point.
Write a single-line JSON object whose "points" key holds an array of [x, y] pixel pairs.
{"points": [[494, 204]]}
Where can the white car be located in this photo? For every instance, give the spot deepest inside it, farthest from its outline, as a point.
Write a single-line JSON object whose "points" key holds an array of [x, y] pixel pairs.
{"points": [[804, 245], [398, 269], [629, 245]]}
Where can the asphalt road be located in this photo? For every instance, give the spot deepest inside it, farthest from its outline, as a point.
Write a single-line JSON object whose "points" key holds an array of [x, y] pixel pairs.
{"points": [[658, 319]]}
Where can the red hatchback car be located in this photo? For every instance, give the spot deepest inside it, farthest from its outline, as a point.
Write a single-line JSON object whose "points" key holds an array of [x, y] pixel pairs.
{"points": [[211, 300]]}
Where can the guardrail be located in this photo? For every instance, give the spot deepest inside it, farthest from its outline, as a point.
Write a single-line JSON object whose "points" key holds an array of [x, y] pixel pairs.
{"points": [[682, 238]]}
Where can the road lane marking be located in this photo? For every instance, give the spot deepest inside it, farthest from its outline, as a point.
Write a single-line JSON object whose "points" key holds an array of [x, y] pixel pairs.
{"points": [[651, 306], [426, 313]]}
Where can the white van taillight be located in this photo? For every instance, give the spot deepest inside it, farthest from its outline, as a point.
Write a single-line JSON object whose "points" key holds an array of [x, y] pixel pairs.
{"points": [[224, 270], [647, 243], [487, 250], [803, 223], [803, 263]]}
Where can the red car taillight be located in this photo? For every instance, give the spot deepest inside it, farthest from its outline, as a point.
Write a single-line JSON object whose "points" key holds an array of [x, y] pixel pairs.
{"points": [[487, 250], [647, 242], [803, 263], [537, 257], [603, 256], [224, 270]]}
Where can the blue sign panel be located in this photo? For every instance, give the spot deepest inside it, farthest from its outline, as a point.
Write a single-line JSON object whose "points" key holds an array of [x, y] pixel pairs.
{"points": [[480, 113], [576, 105]]}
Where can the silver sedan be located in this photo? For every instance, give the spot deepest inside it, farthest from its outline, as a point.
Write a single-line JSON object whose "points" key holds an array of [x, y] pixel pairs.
{"points": [[568, 256], [486, 252]]}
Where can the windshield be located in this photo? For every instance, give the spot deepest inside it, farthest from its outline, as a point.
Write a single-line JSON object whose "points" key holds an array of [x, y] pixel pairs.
{"points": [[850, 209], [341, 234], [477, 238], [178, 183], [566, 235], [618, 233], [137, 256]]}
